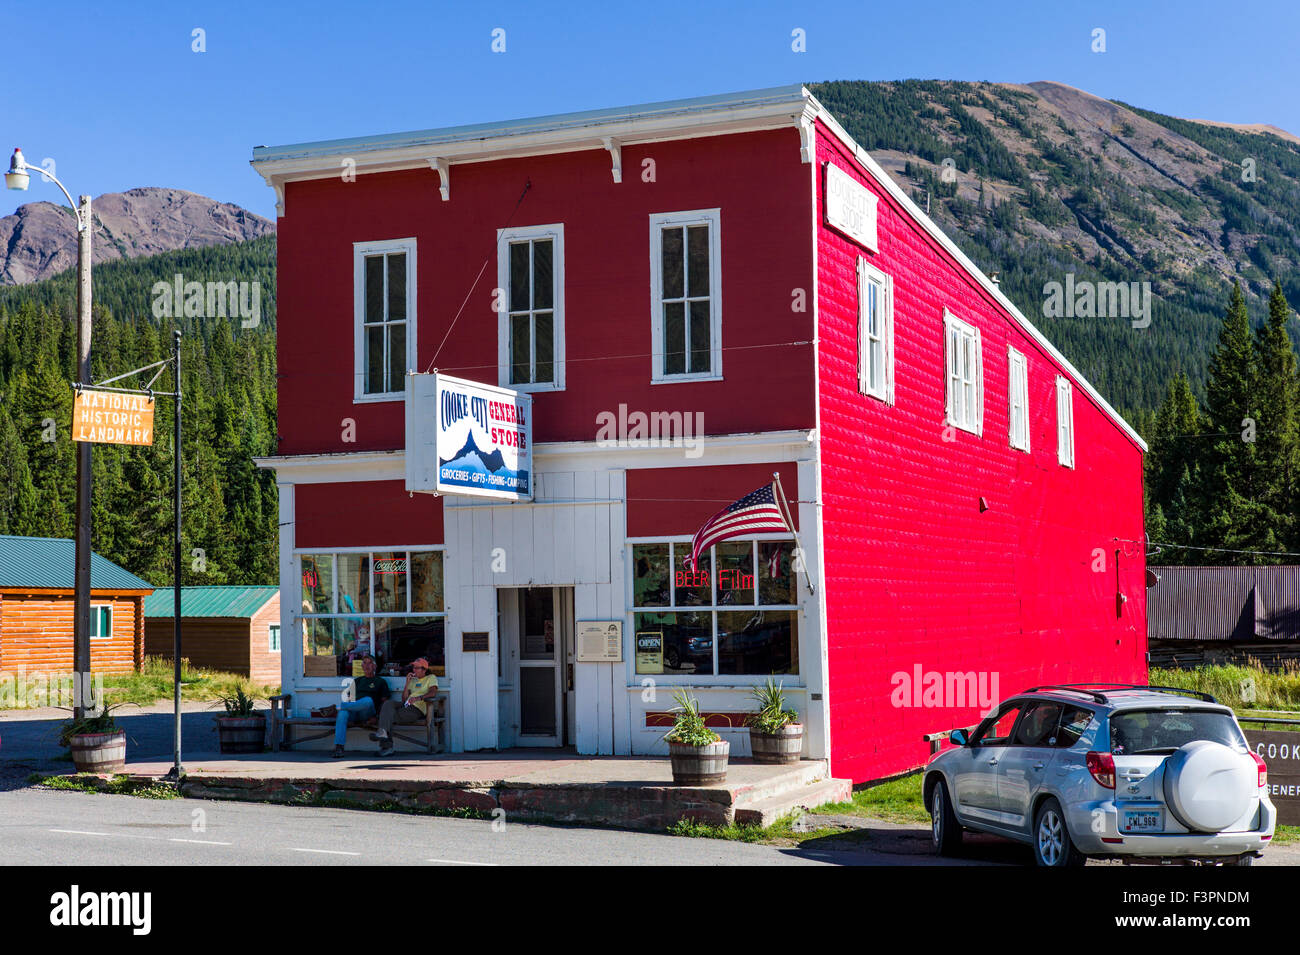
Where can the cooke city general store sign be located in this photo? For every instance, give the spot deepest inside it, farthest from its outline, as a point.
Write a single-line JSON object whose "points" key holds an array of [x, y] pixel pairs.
{"points": [[482, 444]]}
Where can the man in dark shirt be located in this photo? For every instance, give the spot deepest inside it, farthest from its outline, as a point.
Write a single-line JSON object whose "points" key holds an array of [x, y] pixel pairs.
{"points": [[371, 691]]}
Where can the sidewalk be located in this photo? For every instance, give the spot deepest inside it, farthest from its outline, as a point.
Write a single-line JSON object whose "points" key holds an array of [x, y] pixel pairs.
{"points": [[556, 786]]}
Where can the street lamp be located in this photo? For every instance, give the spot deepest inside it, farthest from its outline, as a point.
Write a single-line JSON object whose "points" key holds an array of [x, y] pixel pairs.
{"points": [[17, 178]]}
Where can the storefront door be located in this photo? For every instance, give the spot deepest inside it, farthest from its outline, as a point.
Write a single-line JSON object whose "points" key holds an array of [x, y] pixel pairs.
{"points": [[538, 638]]}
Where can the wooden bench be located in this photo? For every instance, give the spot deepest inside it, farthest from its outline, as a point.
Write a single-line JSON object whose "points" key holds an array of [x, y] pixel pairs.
{"points": [[283, 735]]}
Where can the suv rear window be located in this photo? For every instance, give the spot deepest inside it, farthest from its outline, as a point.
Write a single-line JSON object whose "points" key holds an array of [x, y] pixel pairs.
{"points": [[1163, 731]]}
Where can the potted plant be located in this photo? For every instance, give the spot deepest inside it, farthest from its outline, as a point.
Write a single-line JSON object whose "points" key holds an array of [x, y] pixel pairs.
{"points": [[698, 755], [96, 742], [241, 729], [775, 733]]}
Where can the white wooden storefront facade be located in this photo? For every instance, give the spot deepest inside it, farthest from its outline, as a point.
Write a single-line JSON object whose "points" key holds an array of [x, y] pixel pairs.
{"points": [[573, 535]]}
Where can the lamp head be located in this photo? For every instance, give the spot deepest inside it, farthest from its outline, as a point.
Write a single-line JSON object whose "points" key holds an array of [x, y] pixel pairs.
{"points": [[17, 177]]}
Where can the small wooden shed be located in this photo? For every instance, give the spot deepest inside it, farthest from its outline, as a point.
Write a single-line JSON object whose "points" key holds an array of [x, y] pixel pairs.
{"points": [[231, 628]]}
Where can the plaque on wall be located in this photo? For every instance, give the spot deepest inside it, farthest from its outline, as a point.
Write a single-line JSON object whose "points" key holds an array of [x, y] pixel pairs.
{"points": [[600, 641], [474, 641]]}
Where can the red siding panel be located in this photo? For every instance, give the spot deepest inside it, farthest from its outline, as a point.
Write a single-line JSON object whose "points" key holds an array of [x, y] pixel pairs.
{"points": [[370, 513], [916, 574], [662, 501], [757, 181]]}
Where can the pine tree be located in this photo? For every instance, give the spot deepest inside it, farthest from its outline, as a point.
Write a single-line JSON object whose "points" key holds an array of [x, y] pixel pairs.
{"points": [[1228, 495], [1277, 396]]}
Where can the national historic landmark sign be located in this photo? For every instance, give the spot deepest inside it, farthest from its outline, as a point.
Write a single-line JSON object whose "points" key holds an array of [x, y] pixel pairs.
{"points": [[112, 417]]}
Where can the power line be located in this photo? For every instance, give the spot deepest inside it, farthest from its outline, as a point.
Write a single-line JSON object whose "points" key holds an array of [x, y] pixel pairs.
{"points": [[1221, 550]]}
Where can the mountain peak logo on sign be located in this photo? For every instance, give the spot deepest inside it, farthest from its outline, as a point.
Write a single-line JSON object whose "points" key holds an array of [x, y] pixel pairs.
{"points": [[481, 442]]}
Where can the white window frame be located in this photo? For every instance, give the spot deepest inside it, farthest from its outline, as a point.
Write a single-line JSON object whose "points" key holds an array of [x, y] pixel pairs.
{"points": [[554, 232], [94, 616], [1017, 393], [715, 680], [952, 325], [868, 274], [367, 550], [1064, 422], [273, 643], [359, 252], [658, 221]]}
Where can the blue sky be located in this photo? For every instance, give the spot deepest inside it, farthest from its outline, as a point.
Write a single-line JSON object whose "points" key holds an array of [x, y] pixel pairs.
{"points": [[116, 96]]}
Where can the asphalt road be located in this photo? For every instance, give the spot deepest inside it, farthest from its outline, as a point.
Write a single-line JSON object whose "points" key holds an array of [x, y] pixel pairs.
{"points": [[42, 827]]}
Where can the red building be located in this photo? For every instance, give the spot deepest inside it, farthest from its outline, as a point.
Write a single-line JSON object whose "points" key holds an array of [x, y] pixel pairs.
{"points": [[737, 272]]}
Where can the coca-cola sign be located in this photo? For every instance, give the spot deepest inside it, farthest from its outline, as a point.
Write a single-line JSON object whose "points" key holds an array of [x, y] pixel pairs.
{"points": [[390, 565]]}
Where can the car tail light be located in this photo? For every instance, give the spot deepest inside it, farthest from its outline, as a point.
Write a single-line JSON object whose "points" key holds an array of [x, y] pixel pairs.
{"points": [[1263, 770], [1102, 767]]}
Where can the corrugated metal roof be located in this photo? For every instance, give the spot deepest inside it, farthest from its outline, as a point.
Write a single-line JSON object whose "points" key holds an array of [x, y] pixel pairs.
{"points": [[1224, 603], [49, 563], [228, 601]]}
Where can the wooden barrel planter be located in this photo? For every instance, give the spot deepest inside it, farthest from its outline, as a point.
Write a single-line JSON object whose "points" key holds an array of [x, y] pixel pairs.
{"points": [[695, 765], [241, 734], [783, 746], [99, 752]]}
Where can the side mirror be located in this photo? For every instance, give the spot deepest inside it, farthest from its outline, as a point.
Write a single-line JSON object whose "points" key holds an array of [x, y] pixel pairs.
{"points": [[959, 738]]}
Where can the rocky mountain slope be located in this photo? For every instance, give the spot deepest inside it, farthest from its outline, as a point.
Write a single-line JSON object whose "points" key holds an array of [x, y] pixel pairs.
{"points": [[1039, 181], [38, 240]]}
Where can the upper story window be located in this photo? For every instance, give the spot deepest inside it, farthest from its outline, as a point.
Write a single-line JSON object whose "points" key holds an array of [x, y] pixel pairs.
{"points": [[384, 284], [965, 375], [686, 299], [875, 332], [1064, 422], [1018, 399], [530, 275]]}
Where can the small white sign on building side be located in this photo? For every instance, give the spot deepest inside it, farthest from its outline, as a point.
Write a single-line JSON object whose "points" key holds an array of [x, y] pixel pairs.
{"points": [[850, 207], [465, 437]]}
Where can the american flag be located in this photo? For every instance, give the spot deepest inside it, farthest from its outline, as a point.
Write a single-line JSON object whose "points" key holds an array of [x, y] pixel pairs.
{"points": [[756, 513]]}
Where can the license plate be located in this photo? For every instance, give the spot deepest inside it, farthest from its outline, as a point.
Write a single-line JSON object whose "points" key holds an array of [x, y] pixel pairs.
{"points": [[1142, 820]]}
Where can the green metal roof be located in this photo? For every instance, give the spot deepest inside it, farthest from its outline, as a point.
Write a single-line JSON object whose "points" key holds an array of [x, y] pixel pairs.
{"points": [[230, 601], [49, 563]]}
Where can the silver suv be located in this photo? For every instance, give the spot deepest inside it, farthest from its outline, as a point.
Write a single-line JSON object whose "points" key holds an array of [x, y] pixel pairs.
{"points": [[1105, 770]]}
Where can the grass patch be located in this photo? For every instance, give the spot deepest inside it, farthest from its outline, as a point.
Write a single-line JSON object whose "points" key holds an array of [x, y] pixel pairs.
{"points": [[1286, 835], [1245, 688], [153, 683], [898, 800], [117, 786], [787, 830]]}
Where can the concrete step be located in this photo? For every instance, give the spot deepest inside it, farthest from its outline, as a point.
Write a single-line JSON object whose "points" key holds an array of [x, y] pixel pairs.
{"points": [[764, 812], [792, 778]]}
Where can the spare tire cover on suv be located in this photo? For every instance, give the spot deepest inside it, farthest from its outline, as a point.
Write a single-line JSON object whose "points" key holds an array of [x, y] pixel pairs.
{"points": [[1209, 786]]}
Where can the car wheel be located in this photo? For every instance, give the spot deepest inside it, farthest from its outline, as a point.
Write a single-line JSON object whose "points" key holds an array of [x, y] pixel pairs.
{"points": [[945, 830], [1053, 847]]}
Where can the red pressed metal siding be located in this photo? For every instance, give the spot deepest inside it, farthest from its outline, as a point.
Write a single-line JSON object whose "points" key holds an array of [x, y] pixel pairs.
{"points": [[915, 573], [663, 501], [757, 181], [363, 514]]}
